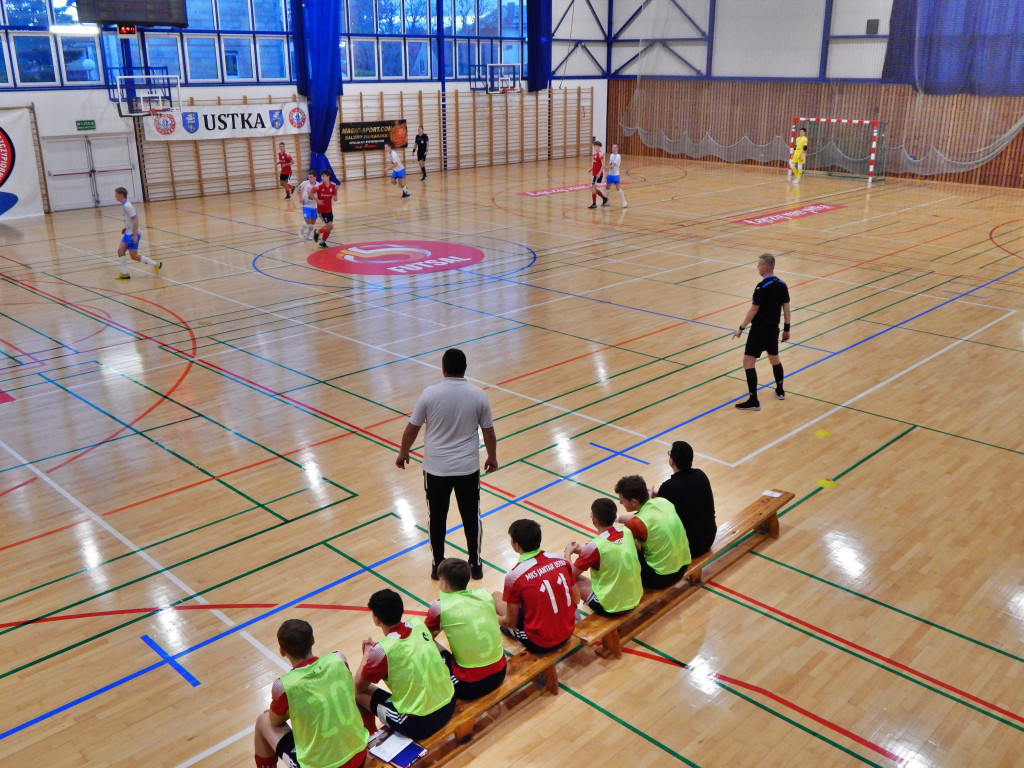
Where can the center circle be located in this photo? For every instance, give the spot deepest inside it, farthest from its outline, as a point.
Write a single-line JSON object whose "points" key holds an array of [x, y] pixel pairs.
{"points": [[395, 257]]}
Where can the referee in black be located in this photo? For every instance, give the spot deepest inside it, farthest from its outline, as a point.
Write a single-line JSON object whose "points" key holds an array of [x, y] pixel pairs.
{"points": [[771, 298]]}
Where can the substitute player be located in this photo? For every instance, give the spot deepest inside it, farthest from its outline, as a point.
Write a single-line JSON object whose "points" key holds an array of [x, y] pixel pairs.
{"points": [[597, 175], [307, 201], [397, 169], [130, 237], [614, 161], [796, 162], [326, 193], [284, 161], [771, 298], [538, 605]]}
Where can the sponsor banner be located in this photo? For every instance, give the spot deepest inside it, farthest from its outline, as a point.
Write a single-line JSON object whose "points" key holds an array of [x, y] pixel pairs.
{"points": [[19, 181], [238, 121], [359, 137], [396, 257], [765, 219], [560, 190]]}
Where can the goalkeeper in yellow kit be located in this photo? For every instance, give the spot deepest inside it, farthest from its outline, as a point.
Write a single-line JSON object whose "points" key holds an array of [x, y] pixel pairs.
{"points": [[799, 156]]}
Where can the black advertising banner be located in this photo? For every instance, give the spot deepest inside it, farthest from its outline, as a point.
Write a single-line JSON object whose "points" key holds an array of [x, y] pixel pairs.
{"points": [[359, 137]]}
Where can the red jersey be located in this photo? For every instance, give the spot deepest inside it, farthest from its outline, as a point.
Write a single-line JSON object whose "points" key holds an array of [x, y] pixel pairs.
{"points": [[542, 587], [324, 193], [286, 162], [598, 163]]}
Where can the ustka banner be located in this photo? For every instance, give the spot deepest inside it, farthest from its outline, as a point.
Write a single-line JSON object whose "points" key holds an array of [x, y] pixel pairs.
{"points": [[228, 121], [19, 179]]}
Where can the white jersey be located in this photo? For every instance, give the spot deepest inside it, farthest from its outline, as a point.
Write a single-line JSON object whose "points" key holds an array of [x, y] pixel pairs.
{"points": [[614, 160], [393, 158], [130, 217], [452, 409], [306, 194]]}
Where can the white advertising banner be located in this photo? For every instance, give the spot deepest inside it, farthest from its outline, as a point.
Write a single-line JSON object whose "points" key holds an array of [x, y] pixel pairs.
{"points": [[19, 179], [234, 121]]}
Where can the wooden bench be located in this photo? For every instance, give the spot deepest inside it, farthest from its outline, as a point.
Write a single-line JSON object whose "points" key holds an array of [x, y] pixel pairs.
{"points": [[757, 522], [528, 675]]}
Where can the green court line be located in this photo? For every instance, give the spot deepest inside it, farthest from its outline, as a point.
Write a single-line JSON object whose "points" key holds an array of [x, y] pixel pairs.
{"points": [[181, 600], [373, 572], [760, 705], [890, 607]]}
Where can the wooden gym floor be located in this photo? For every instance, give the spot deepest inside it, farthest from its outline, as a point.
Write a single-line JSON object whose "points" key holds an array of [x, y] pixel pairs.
{"points": [[184, 454]]}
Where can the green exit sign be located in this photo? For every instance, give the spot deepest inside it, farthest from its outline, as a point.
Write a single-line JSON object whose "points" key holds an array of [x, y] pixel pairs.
{"points": [[85, 125]]}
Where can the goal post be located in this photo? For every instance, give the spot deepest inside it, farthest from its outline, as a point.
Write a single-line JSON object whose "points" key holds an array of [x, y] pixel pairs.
{"points": [[841, 146]]}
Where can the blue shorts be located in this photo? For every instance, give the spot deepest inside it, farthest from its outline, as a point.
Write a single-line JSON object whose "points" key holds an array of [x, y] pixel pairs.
{"points": [[398, 174], [613, 179], [308, 213], [132, 240]]}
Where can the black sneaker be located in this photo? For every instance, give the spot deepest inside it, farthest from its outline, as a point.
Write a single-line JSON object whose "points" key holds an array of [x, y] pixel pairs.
{"points": [[316, 236], [433, 572], [749, 405], [592, 205], [780, 395], [476, 570], [606, 202], [406, 194]]}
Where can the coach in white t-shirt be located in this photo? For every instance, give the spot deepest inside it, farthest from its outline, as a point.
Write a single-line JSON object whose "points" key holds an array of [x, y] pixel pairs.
{"points": [[452, 410]]}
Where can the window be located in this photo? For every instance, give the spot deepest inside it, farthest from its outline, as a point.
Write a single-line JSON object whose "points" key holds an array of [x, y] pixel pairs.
{"points": [[33, 59], [465, 17], [238, 58], [361, 16], [268, 15], [416, 14], [200, 14], [510, 19], [419, 58], [234, 14], [273, 64], [389, 18], [27, 13], [65, 12], [391, 64], [110, 44], [201, 56], [364, 59], [465, 56], [487, 23], [510, 53], [489, 52], [449, 59], [5, 79], [344, 59], [162, 51], [80, 59]]}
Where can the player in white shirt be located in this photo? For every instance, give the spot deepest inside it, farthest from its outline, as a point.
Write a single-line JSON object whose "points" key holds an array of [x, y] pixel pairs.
{"points": [[307, 201], [130, 237], [397, 169], [612, 179]]}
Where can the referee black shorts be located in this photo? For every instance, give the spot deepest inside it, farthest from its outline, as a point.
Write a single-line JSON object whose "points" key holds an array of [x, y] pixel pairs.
{"points": [[762, 342]]}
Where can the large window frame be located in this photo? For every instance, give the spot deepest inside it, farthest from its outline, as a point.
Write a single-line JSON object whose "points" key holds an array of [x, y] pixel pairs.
{"points": [[191, 76], [19, 77]]}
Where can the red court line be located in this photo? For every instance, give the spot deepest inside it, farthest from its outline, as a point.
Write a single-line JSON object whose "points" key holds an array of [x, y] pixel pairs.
{"points": [[545, 510], [780, 700], [915, 229], [868, 652], [207, 607]]}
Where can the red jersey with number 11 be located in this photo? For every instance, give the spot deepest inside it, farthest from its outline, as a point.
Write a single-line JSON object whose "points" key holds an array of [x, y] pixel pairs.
{"points": [[542, 586]]}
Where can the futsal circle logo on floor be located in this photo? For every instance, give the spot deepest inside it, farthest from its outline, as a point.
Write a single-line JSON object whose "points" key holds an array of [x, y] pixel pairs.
{"points": [[396, 257]]}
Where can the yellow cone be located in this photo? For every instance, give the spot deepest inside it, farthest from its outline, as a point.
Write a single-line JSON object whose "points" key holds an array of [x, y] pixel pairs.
{"points": [[826, 483], [823, 433]]}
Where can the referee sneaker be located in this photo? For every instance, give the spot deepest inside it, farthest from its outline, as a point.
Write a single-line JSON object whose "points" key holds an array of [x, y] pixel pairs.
{"points": [[452, 409]]}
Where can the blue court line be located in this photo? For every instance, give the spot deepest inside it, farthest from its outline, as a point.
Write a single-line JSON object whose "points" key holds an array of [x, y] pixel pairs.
{"points": [[273, 611], [620, 453], [170, 660]]}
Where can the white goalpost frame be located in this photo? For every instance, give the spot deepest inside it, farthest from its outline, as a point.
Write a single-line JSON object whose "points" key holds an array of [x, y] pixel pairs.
{"points": [[874, 138]]}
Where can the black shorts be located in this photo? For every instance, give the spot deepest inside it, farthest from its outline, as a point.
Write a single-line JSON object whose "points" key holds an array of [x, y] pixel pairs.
{"points": [[467, 691], [762, 341], [593, 604], [413, 726], [286, 753], [598, 178], [651, 579], [285, 176], [421, 156], [328, 217]]}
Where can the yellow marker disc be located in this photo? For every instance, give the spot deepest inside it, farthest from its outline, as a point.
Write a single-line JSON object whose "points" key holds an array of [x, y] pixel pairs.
{"points": [[823, 433], [826, 483]]}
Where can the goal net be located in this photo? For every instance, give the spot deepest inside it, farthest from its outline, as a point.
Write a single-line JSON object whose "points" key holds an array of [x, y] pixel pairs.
{"points": [[842, 147]]}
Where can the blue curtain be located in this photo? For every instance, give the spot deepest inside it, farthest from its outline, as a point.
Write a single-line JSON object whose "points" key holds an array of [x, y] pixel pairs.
{"points": [[538, 44], [957, 46], [316, 27]]}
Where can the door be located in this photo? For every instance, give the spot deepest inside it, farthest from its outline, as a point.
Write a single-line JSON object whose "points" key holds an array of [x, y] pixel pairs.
{"points": [[83, 171]]}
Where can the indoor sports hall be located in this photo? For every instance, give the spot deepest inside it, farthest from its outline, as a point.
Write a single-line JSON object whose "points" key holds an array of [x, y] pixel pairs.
{"points": [[194, 454]]}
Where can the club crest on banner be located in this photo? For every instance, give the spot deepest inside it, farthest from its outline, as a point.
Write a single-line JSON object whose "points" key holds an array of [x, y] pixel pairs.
{"points": [[396, 257], [190, 121], [297, 117], [164, 123], [276, 118]]}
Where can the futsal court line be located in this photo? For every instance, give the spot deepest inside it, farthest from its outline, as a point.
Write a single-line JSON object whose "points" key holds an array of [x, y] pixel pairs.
{"points": [[504, 505]]}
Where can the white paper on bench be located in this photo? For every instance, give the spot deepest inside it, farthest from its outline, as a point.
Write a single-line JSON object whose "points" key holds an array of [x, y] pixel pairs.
{"points": [[773, 494]]}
